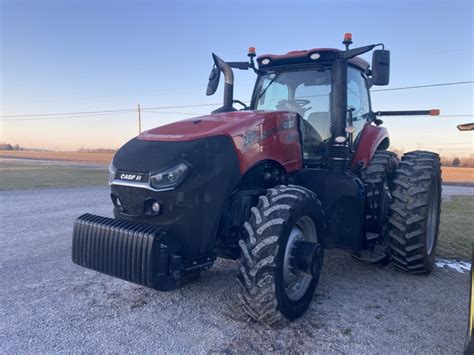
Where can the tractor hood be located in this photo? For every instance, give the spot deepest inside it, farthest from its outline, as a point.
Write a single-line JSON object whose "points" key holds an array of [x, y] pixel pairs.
{"points": [[228, 123], [251, 136]]}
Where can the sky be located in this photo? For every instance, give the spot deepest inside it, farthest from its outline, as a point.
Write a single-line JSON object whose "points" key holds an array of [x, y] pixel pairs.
{"points": [[84, 55]]}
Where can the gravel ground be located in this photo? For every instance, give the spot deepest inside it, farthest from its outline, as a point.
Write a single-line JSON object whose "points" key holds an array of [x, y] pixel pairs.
{"points": [[48, 304], [450, 190]]}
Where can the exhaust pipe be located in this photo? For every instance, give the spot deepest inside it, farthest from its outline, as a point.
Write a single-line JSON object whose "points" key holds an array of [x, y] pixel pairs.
{"points": [[228, 84], [339, 151]]}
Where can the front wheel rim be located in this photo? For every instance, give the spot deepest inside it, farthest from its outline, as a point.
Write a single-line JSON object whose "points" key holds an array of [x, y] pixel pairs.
{"points": [[296, 283]]}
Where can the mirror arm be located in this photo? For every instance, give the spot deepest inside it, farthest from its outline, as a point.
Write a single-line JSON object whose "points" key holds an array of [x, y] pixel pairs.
{"points": [[239, 65], [370, 82], [351, 53], [244, 65]]}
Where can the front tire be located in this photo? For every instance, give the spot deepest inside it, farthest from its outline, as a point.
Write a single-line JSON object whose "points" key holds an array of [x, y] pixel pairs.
{"points": [[272, 287], [414, 224]]}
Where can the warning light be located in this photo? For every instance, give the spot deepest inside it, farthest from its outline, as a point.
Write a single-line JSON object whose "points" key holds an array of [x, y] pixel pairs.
{"points": [[434, 112], [251, 52], [347, 40]]}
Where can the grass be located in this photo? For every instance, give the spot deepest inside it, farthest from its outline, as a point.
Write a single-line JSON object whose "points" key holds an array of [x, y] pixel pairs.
{"points": [[27, 175], [457, 228]]}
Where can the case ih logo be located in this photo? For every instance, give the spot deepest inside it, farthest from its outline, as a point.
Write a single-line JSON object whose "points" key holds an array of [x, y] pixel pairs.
{"points": [[251, 137], [131, 177]]}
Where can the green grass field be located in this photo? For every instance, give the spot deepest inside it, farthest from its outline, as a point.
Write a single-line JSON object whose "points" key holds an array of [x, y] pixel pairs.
{"points": [[456, 230], [23, 175]]}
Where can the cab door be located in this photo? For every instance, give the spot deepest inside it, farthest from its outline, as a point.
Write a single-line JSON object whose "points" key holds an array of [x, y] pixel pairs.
{"points": [[357, 99]]}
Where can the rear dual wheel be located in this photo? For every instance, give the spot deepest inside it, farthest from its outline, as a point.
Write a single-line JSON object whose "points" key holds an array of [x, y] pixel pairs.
{"points": [[282, 254], [377, 178], [415, 212]]}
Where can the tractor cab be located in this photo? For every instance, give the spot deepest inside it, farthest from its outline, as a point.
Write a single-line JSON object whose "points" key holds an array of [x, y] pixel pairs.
{"points": [[301, 82], [327, 88]]}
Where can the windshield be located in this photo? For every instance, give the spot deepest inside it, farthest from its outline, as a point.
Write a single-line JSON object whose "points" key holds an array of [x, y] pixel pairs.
{"points": [[302, 91], [307, 92]]}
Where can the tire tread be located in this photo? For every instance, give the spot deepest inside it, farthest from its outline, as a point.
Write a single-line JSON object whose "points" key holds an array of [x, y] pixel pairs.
{"points": [[257, 264], [409, 211]]}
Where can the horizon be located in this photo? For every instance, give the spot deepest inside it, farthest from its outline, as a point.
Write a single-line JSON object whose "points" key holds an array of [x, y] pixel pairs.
{"points": [[95, 56], [467, 155]]}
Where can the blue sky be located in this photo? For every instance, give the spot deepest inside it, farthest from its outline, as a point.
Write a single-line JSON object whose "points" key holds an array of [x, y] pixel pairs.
{"points": [[65, 56]]}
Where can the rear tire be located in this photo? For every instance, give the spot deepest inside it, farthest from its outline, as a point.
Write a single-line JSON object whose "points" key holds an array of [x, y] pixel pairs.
{"points": [[415, 212], [380, 168], [270, 287], [377, 178]]}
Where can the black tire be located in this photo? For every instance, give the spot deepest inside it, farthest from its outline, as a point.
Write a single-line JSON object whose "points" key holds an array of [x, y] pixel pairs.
{"points": [[377, 176], [415, 212], [263, 294], [380, 168]]}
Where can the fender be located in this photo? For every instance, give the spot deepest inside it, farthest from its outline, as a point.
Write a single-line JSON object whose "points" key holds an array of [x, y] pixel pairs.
{"points": [[275, 137], [371, 138]]}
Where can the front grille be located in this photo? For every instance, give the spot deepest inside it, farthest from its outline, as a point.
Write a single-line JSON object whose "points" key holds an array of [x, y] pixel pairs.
{"points": [[119, 248]]}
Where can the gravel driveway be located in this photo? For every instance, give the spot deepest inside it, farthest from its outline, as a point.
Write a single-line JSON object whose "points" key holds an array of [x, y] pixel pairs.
{"points": [[451, 190], [48, 304]]}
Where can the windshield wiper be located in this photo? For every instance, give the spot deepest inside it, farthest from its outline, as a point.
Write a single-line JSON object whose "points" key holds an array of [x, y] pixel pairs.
{"points": [[270, 83]]}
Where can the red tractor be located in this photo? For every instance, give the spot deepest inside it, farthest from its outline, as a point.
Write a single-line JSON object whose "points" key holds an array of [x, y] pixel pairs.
{"points": [[303, 168]]}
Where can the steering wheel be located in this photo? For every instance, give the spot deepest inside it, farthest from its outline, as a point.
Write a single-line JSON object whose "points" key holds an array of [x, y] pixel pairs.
{"points": [[302, 102], [296, 105]]}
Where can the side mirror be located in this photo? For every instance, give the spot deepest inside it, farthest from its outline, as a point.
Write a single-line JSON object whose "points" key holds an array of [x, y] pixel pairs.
{"points": [[213, 81], [466, 127], [381, 67]]}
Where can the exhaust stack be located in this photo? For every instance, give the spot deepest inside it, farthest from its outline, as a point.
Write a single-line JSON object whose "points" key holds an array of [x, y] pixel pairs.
{"points": [[228, 84], [339, 151]]}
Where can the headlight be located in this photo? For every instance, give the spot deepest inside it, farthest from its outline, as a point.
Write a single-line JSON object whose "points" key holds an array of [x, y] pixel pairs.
{"points": [[169, 178], [112, 172]]}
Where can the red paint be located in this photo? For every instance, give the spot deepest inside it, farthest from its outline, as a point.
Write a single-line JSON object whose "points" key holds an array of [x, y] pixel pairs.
{"points": [[359, 62], [370, 139], [257, 135]]}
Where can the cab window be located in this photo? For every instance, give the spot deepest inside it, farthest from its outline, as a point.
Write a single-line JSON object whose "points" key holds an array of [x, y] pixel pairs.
{"points": [[273, 95], [317, 114], [357, 97]]}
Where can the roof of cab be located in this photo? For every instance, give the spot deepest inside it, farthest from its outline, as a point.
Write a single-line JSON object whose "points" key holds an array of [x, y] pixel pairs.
{"points": [[304, 56]]}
